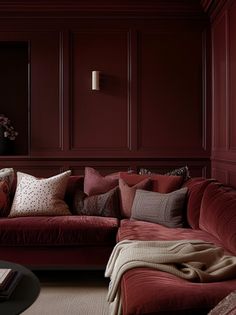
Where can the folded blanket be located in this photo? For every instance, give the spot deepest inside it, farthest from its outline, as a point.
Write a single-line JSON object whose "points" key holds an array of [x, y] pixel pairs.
{"points": [[193, 260]]}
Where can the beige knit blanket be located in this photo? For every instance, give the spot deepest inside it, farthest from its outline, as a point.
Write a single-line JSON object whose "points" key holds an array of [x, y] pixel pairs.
{"points": [[193, 260]]}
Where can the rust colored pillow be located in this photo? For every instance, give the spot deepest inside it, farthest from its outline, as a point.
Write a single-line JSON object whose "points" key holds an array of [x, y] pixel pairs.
{"points": [[127, 194], [4, 198], [218, 214], [104, 205], [95, 183], [160, 183]]}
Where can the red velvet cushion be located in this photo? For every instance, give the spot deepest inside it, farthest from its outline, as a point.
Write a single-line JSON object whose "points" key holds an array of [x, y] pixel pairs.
{"points": [[196, 188], [160, 183], [74, 183], [95, 183], [4, 198], [140, 230], [58, 231], [218, 214], [148, 291]]}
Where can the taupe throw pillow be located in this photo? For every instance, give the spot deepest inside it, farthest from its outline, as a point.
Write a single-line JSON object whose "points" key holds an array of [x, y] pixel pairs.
{"points": [[165, 209]]}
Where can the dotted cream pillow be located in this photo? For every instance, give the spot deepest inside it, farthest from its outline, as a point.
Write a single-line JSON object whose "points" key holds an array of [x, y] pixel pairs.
{"points": [[35, 197]]}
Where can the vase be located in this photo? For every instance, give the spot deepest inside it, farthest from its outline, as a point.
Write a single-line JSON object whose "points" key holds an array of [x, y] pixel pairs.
{"points": [[6, 145]]}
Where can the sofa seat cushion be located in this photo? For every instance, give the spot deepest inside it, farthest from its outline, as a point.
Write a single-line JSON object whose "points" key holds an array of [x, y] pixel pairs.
{"points": [[140, 230], [148, 291], [58, 231]]}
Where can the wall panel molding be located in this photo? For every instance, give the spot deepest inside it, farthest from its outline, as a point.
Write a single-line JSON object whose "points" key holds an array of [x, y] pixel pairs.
{"points": [[40, 166], [46, 95], [73, 8], [100, 120], [165, 99], [224, 95]]}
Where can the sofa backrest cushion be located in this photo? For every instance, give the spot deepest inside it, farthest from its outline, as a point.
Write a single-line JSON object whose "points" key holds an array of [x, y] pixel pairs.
{"points": [[75, 183], [196, 187], [218, 214], [160, 183], [4, 198]]}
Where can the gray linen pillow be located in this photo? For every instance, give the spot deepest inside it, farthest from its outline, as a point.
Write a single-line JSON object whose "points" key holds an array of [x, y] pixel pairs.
{"points": [[165, 209]]}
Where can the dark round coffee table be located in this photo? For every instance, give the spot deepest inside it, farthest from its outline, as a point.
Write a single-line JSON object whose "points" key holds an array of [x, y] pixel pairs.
{"points": [[25, 293]]}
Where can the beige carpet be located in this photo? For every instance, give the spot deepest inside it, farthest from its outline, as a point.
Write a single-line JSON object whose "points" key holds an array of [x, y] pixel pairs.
{"points": [[80, 295]]}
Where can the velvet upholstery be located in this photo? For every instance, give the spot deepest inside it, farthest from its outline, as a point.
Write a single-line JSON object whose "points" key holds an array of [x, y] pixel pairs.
{"points": [[62, 257], [160, 183], [196, 187], [4, 198], [148, 291], [58, 231], [74, 183], [218, 214], [140, 230], [87, 241]]}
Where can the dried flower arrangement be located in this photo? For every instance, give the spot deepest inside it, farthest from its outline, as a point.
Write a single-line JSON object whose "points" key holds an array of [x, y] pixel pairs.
{"points": [[8, 130]]}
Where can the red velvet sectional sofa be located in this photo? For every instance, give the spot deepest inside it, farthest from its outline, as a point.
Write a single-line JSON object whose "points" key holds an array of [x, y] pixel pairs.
{"points": [[83, 241]]}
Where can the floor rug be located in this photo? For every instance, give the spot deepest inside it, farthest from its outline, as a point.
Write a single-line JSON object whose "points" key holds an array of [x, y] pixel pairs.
{"points": [[85, 295]]}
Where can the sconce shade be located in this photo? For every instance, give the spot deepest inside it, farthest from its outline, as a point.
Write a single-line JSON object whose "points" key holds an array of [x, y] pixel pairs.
{"points": [[95, 80]]}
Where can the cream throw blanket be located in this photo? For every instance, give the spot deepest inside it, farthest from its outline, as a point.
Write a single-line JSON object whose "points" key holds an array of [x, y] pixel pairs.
{"points": [[193, 260]]}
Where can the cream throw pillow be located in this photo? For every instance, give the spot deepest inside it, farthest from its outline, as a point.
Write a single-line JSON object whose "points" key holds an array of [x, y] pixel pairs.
{"points": [[35, 197]]}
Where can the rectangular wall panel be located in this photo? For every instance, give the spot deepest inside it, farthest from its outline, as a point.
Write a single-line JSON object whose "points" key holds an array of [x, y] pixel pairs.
{"points": [[232, 77], [172, 112], [46, 103], [219, 118], [99, 119]]}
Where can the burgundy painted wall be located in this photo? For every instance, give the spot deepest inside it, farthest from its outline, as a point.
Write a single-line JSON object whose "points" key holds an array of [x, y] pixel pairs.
{"points": [[153, 108], [224, 94]]}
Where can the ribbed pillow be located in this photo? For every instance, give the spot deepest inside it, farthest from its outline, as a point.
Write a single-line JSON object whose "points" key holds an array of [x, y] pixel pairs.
{"points": [[165, 209], [35, 197]]}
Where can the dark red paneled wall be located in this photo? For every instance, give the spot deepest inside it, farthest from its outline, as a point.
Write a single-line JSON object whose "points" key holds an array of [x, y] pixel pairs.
{"points": [[153, 108], [224, 94]]}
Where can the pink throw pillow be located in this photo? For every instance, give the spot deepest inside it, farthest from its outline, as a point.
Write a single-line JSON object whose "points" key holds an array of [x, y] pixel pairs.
{"points": [[127, 195], [95, 183]]}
